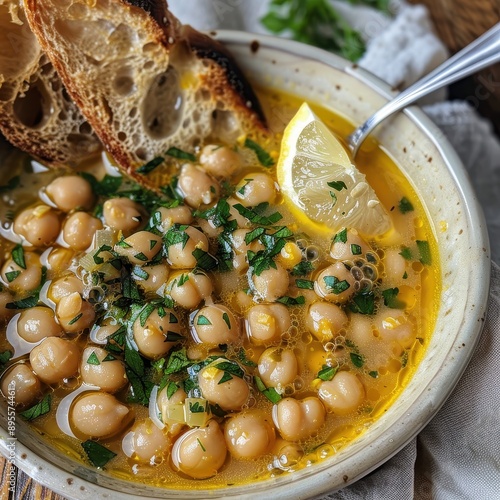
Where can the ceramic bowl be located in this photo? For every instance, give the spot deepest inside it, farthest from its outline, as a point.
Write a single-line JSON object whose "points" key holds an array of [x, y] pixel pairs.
{"points": [[437, 175]]}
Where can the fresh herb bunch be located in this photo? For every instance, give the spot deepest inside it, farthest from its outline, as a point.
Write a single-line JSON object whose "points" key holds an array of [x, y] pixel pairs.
{"points": [[316, 22]]}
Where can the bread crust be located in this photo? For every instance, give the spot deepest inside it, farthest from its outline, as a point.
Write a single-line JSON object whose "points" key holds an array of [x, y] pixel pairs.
{"points": [[36, 114], [145, 82]]}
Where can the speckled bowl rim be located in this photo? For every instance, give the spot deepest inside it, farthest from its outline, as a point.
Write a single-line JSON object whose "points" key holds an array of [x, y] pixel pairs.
{"points": [[299, 485]]}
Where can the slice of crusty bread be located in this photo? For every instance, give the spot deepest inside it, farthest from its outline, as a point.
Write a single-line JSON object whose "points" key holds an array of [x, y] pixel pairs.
{"points": [[36, 114], [145, 82]]}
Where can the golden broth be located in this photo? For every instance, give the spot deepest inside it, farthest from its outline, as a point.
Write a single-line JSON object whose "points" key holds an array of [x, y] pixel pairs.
{"points": [[382, 386]]}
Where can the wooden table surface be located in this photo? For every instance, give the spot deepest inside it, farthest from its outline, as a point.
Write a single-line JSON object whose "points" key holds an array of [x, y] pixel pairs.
{"points": [[26, 488]]}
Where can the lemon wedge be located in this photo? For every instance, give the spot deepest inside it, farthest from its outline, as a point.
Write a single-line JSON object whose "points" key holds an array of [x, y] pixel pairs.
{"points": [[318, 179]]}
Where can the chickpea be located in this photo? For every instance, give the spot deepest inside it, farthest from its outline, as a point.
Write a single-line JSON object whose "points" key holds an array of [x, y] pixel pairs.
{"points": [[64, 286], [40, 225], [37, 323], [229, 395], [151, 278], [123, 214], [278, 367], [240, 247], [200, 453], [325, 320], [156, 335], [395, 265], [290, 255], [59, 259], [74, 313], [298, 419], [249, 435], [180, 255], [343, 394], [353, 246], [99, 415], [335, 283], [164, 218], [266, 323], [71, 192], [140, 247], [375, 352], [79, 229], [197, 187], [208, 228], [26, 385], [256, 188], [215, 324], [393, 326], [95, 369], [220, 161], [22, 280], [55, 359], [145, 443], [188, 289], [271, 284], [5, 298]]}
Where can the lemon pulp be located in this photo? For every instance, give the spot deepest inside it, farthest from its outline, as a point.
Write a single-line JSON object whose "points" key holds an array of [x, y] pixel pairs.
{"points": [[318, 179]]}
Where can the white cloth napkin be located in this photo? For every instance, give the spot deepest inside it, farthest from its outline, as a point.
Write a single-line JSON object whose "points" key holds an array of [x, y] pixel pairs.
{"points": [[457, 456]]}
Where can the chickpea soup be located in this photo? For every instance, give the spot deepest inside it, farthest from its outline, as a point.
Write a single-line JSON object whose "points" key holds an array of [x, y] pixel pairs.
{"points": [[207, 336]]}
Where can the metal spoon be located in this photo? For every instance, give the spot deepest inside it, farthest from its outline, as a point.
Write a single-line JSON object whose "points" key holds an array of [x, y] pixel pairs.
{"points": [[478, 55]]}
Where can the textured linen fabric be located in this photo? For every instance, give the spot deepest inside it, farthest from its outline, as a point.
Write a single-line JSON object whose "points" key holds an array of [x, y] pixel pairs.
{"points": [[457, 455]]}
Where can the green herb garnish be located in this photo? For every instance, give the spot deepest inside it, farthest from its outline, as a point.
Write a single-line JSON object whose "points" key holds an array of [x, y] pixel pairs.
{"points": [[180, 154], [425, 252], [93, 359], [262, 155], [150, 165], [327, 372], [405, 205], [97, 454], [38, 410]]}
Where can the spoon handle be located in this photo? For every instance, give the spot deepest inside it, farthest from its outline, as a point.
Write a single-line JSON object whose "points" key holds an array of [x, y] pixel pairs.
{"points": [[479, 54]]}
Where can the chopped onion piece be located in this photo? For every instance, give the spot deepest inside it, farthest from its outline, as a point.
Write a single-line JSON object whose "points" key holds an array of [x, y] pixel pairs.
{"points": [[197, 412], [154, 412]]}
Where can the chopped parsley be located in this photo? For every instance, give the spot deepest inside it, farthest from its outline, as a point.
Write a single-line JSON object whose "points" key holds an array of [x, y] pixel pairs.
{"points": [[303, 268], [334, 285], [292, 301], [150, 165], [425, 252], [263, 156], [327, 372], [203, 320], [270, 393], [93, 359], [97, 454], [204, 260], [225, 317], [18, 256], [390, 298], [363, 303], [405, 205], [405, 253], [180, 154], [305, 284], [39, 409], [340, 237], [12, 275]]}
